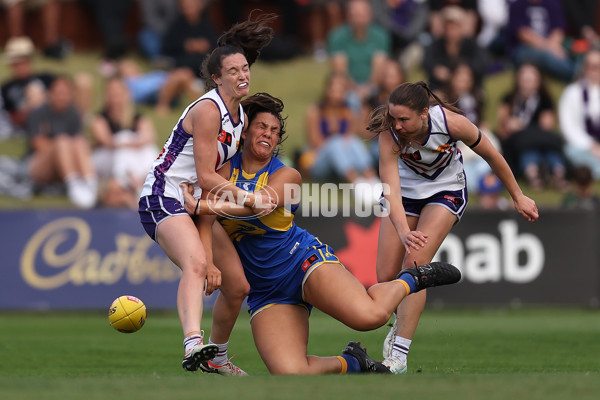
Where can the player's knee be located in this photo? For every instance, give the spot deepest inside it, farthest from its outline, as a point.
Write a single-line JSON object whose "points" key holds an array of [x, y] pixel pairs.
{"points": [[371, 319], [289, 370], [195, 268], [237, 290], [243, 290]]}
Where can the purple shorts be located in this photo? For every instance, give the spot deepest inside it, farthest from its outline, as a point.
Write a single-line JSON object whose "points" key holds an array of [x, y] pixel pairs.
{"points": [[155, 209], [455, 201]]}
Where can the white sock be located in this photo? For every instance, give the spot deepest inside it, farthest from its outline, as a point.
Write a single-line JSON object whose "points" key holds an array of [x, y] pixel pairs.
{"points": [[221, 357], [400, 348], [191, 341]]}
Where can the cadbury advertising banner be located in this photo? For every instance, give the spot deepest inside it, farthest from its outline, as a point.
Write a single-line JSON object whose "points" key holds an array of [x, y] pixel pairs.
{"points": [[84, 259], [81, 259]]}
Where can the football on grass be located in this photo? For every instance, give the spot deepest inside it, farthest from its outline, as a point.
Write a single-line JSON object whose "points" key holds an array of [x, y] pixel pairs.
{"points": [[127, 314]]}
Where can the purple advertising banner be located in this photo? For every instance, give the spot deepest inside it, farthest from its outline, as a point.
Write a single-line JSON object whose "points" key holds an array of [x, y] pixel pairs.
{"points": [[80, 259]]}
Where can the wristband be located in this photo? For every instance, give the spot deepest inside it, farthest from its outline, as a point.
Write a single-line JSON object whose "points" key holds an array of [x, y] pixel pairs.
{"points": [[196, 209]]}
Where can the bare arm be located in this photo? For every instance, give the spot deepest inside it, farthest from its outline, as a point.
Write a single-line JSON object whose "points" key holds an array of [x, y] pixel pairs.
{"points": [[462, 129], [390, 176], [283, 188], [101, 132], [204, 121], [553, 42], [146, 133], [213, 275], [548, 120]]}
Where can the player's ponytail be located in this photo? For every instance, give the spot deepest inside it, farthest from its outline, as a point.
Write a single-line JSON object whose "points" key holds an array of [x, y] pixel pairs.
{"points": [[437, 100], [248, 38]]}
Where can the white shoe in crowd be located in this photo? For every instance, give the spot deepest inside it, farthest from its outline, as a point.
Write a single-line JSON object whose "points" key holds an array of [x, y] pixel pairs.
{"points": [[83, 193]]}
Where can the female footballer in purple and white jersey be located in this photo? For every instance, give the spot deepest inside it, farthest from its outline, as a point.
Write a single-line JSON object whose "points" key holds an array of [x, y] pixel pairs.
{"points": [[204, 138], [420, 162]]}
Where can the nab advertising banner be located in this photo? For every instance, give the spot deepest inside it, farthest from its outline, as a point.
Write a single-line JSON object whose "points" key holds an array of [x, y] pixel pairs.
{"points": [[504, 259], [84, 259]]}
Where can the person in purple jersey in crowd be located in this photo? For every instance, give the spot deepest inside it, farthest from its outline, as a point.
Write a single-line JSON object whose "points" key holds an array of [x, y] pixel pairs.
{"points": [[536, 30], [204, 138], [420, 161]]}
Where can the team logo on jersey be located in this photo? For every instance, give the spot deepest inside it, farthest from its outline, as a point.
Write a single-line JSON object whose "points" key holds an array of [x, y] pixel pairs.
{"points": [[309, 261], [416, 156], [225, 137], [443, 148]]}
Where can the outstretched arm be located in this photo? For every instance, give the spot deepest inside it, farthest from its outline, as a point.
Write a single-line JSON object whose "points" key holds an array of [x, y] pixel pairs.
{"points": [[462, 129]]}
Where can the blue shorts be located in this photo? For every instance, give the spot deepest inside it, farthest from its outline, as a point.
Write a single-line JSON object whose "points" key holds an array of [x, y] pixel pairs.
{"points": [[455, 201], [290, 288], [154, 209]]}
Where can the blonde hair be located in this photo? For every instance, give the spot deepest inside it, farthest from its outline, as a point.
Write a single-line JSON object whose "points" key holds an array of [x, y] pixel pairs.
{"points": [[127, 112]]}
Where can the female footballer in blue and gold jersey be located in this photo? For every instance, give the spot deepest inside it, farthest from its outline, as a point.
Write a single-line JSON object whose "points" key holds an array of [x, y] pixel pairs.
{"points": [[289, 269]]}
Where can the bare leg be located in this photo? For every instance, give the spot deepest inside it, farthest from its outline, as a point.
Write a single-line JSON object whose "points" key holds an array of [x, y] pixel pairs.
{"points": [[43, 168], [82, 154], [281, 337], [65, 157], [178, 236], [390, 251], [334, 290], [179, 81], [435, 222], [234, 289]]}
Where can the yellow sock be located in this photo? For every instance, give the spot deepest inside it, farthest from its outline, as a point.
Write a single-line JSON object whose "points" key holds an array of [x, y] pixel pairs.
{"points": [[344, 364], [406, 285]]}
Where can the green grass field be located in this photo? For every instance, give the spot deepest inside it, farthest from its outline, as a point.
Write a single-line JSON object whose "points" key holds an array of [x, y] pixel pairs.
{"points": [[466, 354]]}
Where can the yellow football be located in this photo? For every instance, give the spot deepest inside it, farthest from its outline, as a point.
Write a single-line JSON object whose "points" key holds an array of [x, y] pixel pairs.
{"points": [[127, 314]]}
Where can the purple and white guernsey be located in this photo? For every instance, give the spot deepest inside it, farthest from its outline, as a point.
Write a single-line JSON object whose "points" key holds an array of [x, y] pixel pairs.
{"points": [[433, 166], [176, 165]]}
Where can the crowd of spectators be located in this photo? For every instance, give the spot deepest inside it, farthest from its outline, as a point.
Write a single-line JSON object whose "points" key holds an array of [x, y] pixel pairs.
{"points": [[370, 47]]}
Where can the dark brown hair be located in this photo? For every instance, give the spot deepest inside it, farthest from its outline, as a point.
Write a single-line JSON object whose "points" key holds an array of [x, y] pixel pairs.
{"points": [[246, 38], [416, 96], [264, 102]]}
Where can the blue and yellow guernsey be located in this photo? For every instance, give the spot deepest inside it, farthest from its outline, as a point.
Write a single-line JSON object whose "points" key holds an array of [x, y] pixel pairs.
{"points": [[277, 255]]}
